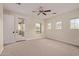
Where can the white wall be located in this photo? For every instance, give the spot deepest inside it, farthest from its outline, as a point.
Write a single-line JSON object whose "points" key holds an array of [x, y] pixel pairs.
{"points": [[29, 26], [8, 28], [66, 34], [1, 28]]}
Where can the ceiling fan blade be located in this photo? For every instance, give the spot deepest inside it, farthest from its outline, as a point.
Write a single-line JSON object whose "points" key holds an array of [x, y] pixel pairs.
{"points": [[53, 13], [35, 11], [18, 3], [47, 11], [44, 13], [38, 13]]}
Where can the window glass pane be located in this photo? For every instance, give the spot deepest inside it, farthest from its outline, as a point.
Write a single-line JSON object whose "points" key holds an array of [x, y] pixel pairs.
{"points": [[38, 27], [49, 26], [21, 26], [74, 24], [59, 25], [77, 23]]}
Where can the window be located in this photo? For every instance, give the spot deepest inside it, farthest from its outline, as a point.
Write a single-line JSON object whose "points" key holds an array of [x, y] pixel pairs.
{"points": [[74, 24], [38, 27], [49, 26], [59, 25]]}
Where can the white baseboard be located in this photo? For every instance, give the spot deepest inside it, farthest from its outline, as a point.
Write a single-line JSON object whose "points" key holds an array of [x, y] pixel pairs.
{"points": [[64, 42], [34, 38]]}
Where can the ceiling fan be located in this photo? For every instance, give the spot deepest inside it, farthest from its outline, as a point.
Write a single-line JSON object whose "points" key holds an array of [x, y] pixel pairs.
{"points": [[42, 11], [18, 3]]}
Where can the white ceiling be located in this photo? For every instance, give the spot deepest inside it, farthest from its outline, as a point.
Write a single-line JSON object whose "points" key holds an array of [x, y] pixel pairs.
{"points": [[27, 8]]}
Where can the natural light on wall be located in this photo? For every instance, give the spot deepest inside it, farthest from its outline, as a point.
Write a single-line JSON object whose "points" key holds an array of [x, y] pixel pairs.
{"points": [[74, 23], [59, 25], [49, 26]]}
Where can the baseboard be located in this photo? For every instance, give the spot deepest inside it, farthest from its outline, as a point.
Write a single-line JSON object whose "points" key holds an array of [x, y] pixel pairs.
{"points": [[5, 44], [14, 42], [64, 42], [34, 38], [22, 41]]}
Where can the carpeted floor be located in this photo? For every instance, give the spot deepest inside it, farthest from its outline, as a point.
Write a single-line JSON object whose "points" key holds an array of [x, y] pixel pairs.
{"points": [[40, 47]]}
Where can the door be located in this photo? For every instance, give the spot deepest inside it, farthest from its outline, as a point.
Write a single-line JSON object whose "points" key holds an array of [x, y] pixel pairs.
{"points": [[8, 25]]}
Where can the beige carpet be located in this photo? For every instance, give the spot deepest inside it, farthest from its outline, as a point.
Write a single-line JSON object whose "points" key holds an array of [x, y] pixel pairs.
{"points": [[40, 47]]}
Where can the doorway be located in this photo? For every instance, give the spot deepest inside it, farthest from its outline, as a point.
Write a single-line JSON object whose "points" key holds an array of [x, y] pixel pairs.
{"points": [[14, 28]]}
